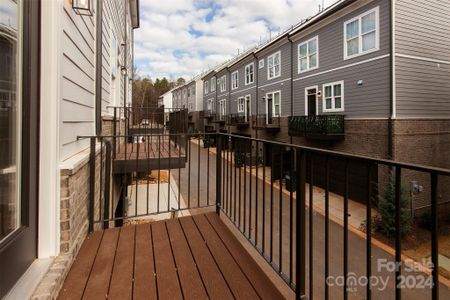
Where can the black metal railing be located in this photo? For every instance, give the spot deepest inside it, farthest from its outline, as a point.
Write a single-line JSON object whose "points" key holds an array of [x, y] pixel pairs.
{"points": [[239, 120], [299, 221], [263, 121], [317, 126]]}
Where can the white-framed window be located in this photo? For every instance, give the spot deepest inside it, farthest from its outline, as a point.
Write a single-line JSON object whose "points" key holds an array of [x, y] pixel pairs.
{"points": [[273, 104], [274, 65], [210, 105], [308, 55], [213, 84], [333, 97], [234, 80], [190, 107], [222, 108], [248, 106], [261, 63], [362, 34], [206, 87], [241, 104], [223, 83], [249, 73]]}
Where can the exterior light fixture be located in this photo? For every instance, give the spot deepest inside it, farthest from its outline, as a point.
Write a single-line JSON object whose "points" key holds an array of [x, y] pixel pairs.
{"points": [[82, 7], [124, 71]]}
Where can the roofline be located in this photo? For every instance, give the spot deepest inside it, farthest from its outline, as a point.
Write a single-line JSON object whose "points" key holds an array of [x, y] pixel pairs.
{"points": [[322, 15]]}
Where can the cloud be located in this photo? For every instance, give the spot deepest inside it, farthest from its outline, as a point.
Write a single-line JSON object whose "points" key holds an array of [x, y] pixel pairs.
{"points": [[187, 37]]}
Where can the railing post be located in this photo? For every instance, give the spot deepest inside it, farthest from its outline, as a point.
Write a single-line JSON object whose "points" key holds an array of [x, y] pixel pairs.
{"points": [[107, 191], [91, 185], [218, 173], [300, 227]]}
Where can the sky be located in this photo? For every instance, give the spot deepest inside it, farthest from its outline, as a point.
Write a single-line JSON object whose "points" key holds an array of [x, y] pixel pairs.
{"points": [[183, 38]]}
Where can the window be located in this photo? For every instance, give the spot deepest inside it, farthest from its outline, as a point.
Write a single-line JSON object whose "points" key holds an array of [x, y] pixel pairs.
{"points": [[274, 65], [206, 87], [213, 84], [210, 105], [249, 74], [261, 63], [189, 92], [223, 83], [273, 104], [222, 108], [333, 97], [308, 55], [193, 91], [234, 80], [361, 34], [241, 104]]}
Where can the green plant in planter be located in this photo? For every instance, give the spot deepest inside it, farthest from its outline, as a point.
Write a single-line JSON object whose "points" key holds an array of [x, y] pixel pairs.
{"points": [[385, 222]]}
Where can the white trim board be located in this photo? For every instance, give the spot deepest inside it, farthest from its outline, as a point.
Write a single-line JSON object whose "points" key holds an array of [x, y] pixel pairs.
{"points": [[438, 61], [344, 67], [276, 82], [243, 90]]}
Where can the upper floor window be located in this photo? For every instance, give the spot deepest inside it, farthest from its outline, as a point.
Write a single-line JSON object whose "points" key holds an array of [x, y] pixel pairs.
{"points": [[308, 55], [234, 80], [362, 34], [333, 99], [213, 84], [274, 65], [189, 92], [223, 83], [249, 73], [210, 105], [241, 104], [206, 87]]}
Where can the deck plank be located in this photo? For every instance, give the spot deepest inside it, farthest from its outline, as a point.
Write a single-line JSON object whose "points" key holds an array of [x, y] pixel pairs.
{"points": [[239, 284], [263, 286], [77, 278], [166, 274], [144, 268], [121, 286], [98, 283], [212, 278], [190, 279]]}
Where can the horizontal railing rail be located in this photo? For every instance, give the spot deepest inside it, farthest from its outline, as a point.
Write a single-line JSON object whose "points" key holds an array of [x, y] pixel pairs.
{"points": [[292, 203], [238, 119]]}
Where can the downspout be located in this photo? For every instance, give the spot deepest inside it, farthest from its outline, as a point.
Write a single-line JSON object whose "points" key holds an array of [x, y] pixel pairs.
{"points": [[229, 101], [392, 112], [125, 59], [98, 68], [292, 83], [257, 92]]}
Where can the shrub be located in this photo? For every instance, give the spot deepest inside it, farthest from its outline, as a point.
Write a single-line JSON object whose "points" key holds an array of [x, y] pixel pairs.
{"points": [[386, 211]]}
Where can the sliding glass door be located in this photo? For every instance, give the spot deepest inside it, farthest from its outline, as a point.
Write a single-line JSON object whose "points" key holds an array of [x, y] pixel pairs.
{"points": [[19, 92]]}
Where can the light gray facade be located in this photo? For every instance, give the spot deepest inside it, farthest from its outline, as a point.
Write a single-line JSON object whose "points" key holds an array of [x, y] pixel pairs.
{"points": [[244, 89]]}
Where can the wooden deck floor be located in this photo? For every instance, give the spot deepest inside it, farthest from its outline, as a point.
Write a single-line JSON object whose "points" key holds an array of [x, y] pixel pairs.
{"points": [[150, 155], [187, 258]]}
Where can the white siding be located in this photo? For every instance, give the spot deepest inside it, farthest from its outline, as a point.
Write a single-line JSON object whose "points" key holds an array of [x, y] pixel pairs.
{"points": [[77, 64]]}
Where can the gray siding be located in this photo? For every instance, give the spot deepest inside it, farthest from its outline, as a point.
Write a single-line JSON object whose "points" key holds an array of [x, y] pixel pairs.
{"points": [[422, 29], [209, 94], [370, 100], [243, 90], [422, 88], [282, 83]]}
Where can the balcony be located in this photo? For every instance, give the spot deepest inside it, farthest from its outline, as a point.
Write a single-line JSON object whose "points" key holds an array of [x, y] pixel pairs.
{"points": [[321, 127], [269, 123], [238, 120], [208, 114], [223, 226]]}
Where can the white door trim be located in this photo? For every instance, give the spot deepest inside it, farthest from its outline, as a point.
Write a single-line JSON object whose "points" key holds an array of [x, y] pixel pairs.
{"points": [[306, 99]]}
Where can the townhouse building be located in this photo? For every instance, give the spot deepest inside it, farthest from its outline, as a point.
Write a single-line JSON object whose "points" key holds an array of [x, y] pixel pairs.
{"points": [[69, 64], [362, 76]]}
